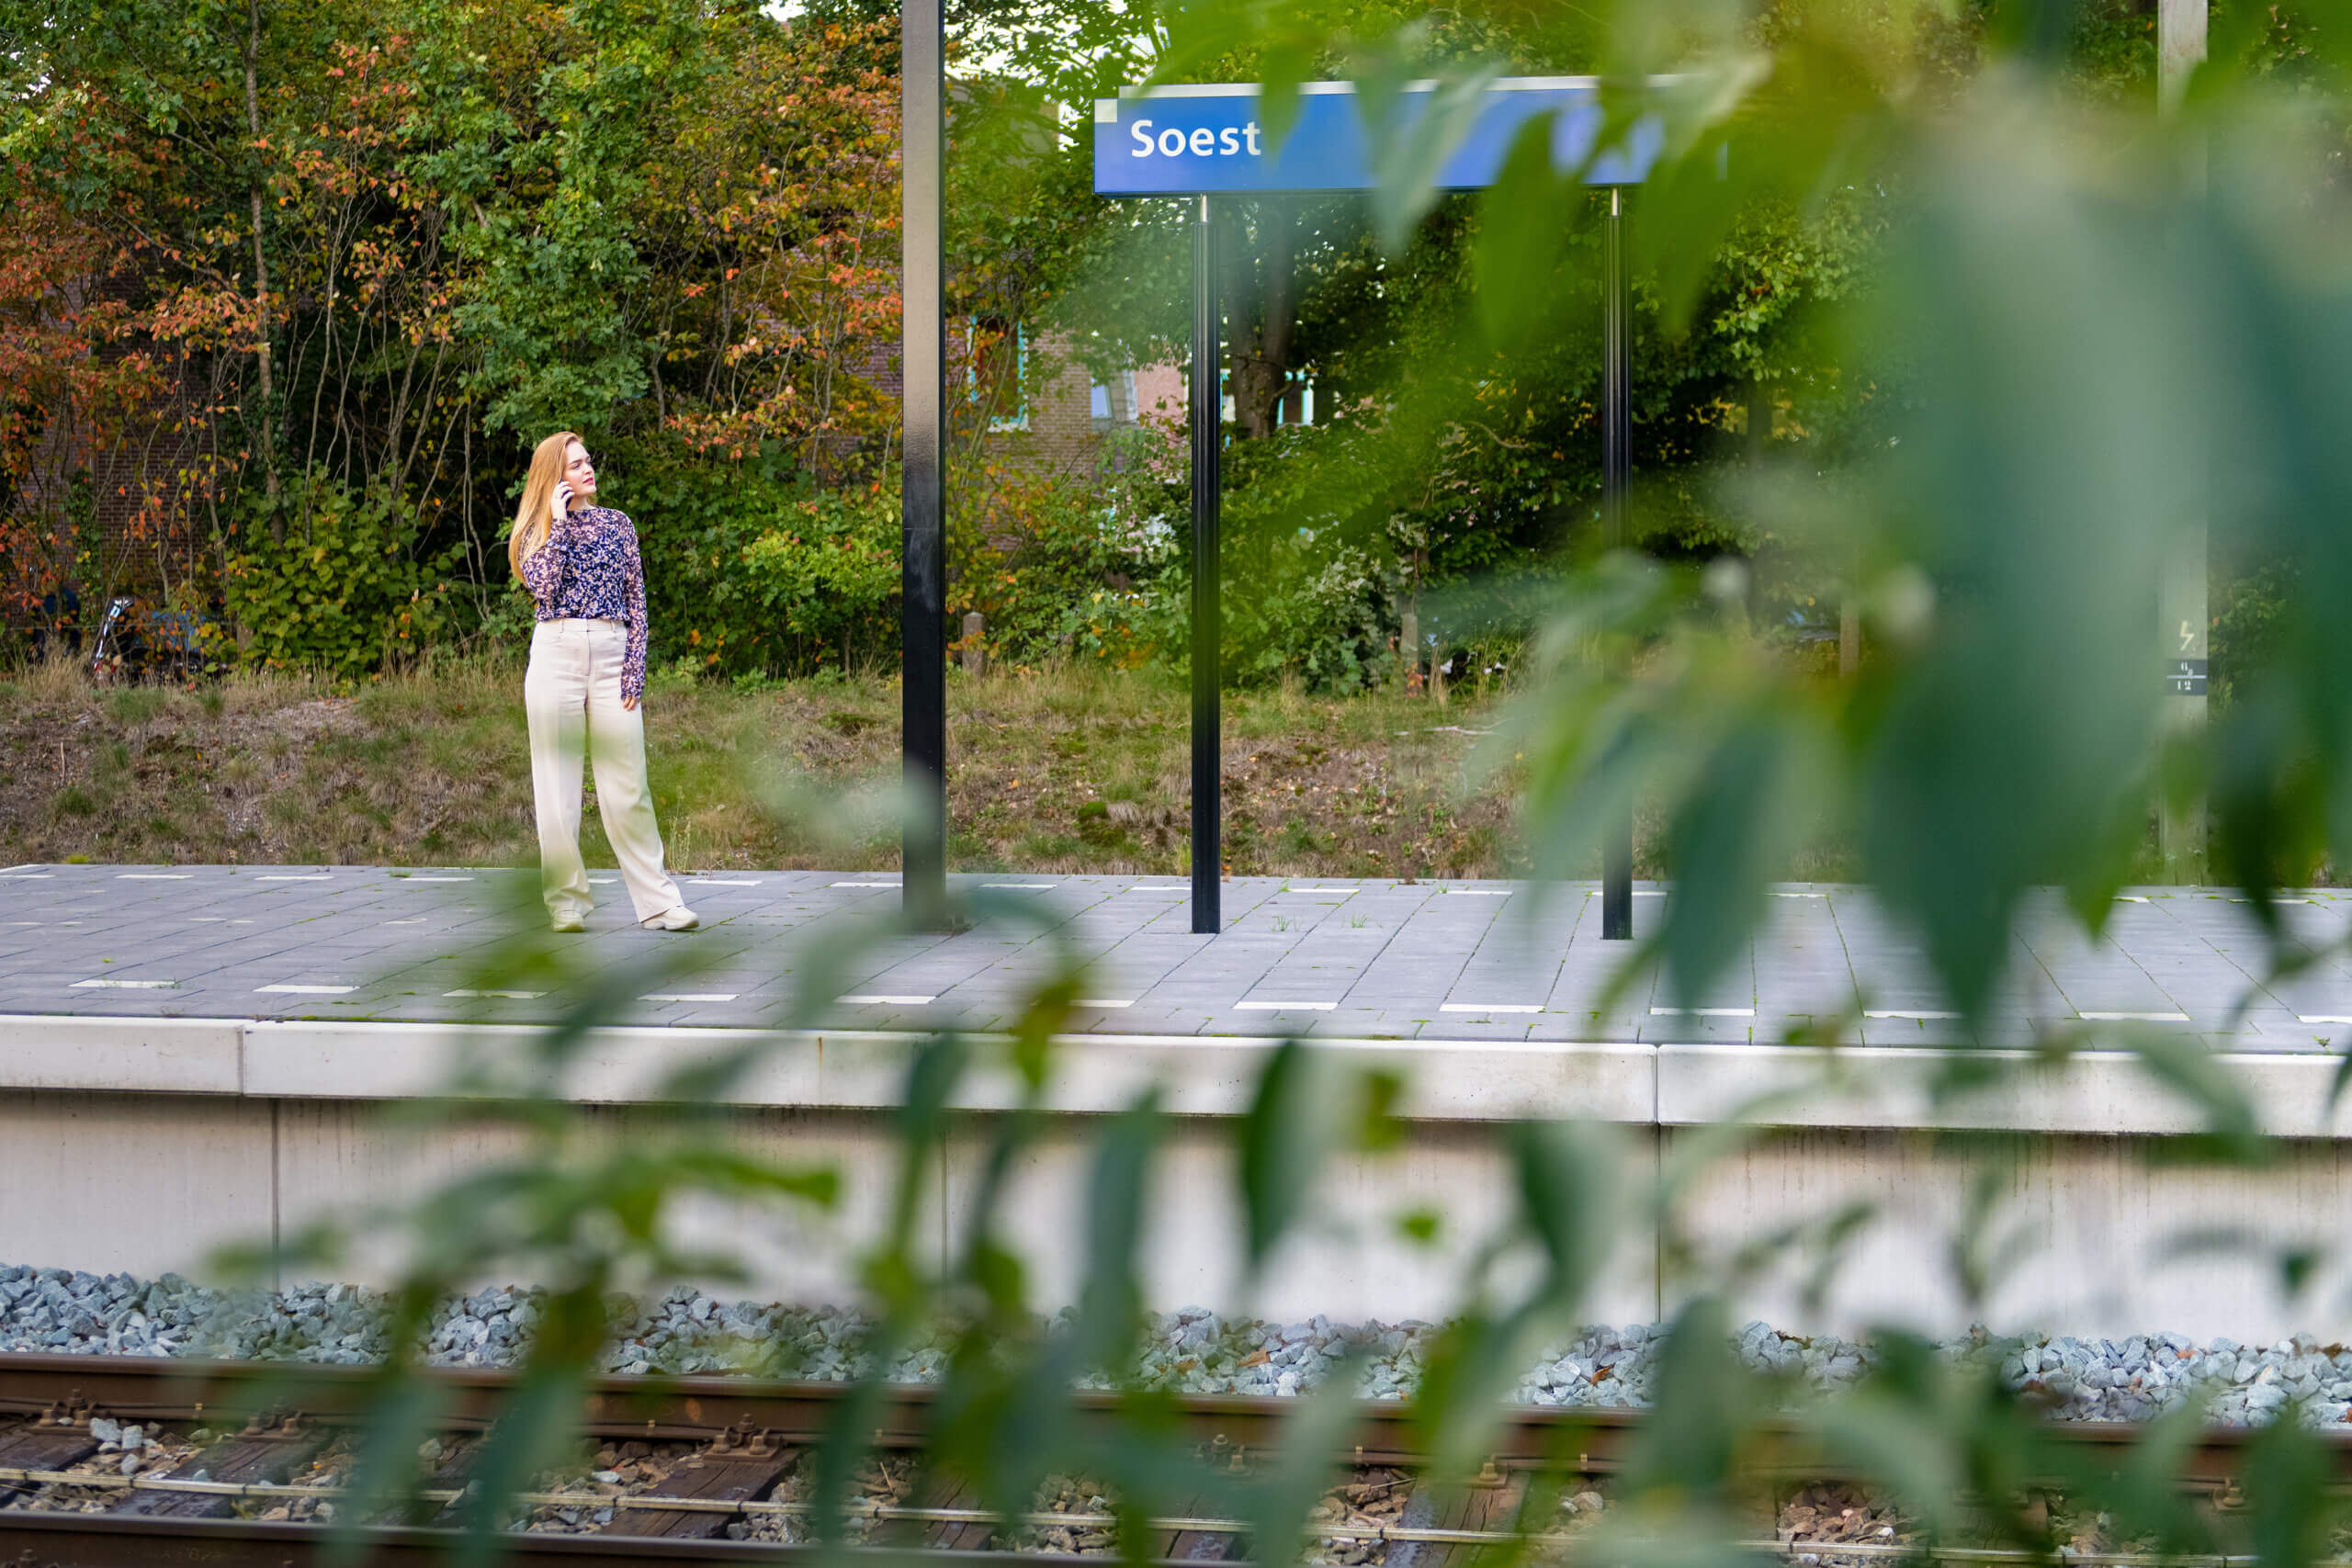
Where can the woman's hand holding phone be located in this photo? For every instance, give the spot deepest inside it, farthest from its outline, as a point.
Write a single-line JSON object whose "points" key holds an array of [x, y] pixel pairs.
{"points": [[560, 504]]}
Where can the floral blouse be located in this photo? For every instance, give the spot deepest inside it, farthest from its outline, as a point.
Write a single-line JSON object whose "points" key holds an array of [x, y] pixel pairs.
{"points": [[589, 569]]}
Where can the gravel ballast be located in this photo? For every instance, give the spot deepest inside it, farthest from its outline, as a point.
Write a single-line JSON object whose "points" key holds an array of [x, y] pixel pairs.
{"points": [[1192, 1351]]}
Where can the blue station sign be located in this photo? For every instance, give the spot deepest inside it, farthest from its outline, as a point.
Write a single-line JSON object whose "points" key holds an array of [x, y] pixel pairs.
{"points": [[1183, 140]]}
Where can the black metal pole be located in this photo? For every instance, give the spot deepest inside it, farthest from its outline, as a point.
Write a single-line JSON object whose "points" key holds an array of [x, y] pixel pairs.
{"points": [[923, 577], [1616, 477], [1208, 615]]}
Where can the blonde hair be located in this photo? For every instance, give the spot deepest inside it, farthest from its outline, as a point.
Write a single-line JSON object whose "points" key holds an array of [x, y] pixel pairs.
{"points": [[532, 521]]}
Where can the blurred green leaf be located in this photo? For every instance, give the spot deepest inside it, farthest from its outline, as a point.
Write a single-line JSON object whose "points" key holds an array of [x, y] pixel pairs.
{"points": [[1291, 1126], [1569, 1189]]}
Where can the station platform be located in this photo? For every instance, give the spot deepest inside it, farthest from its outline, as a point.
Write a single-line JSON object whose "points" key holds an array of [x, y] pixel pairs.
{"points": [[1371, 960], [196, 1055]]}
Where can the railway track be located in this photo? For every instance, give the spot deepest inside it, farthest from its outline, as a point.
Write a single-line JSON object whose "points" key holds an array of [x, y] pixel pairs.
{"points": [[707, 1460]]}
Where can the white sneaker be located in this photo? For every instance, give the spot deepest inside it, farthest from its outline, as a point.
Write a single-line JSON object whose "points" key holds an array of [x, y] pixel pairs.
{"points": [[676, 917], [570, 923]]}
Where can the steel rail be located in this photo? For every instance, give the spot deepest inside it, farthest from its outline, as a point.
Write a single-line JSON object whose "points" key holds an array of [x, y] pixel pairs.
{"points": [[111, 1540], [649, 1503], [1582, 1440], [143, 1389]]}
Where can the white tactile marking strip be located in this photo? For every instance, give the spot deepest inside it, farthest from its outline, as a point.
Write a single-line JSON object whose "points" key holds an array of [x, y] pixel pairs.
{"points": [[156, 876], [1490, 1007], [511, 996], [2134, 1017], [307, 990], [689, 996], [125, 985], [1286, 1007], [1703, 1013], [869, 1001]]}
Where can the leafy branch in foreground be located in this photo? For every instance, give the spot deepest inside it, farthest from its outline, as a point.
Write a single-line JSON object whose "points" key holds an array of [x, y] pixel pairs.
{"points": [[2077, 314]]}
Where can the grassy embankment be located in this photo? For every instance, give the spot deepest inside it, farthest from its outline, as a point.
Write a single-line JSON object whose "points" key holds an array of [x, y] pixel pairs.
{"points": [[1066, 772]]}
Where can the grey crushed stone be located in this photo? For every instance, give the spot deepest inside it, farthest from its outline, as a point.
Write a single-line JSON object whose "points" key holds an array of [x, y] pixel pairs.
{"points": [[1193, 1350]]}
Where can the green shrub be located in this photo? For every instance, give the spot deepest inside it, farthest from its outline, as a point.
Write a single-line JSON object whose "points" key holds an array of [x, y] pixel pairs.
{"points": [[1059, 571], [348, 591], [825, 576], [752, 570]]}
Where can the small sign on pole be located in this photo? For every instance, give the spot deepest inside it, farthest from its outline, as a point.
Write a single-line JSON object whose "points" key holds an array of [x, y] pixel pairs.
{"points": [[1204, 140], [1211, 139]]}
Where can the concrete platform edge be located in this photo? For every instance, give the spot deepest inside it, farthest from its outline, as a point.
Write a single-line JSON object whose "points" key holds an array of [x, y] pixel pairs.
{"points": [[1880, 1087]]}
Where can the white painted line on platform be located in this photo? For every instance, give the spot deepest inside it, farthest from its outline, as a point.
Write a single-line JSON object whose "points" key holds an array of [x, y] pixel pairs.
{"points": [[602, 880], [1703, 1013], [1286, 1007], [25, 876], [1913, 1013], [722, 882], [1314, 890], [206, 919], [417, 920], [1160, 887], [2131, 897], [1482, 892], [154, 876], [689, 996], [2323, 1018], [26, 867], [1024, 886], [1777, 894], [1103, 1002], [862, 885], [510, 995], [1491, 1007], [434, 879], [19, 922], [2136, 1017], [870, 1000], [307, 876], [125, 985], [1638, 892], [307, 990]]}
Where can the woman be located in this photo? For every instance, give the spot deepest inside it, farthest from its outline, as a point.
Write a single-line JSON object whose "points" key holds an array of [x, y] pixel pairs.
{"points": [[586, 677]]}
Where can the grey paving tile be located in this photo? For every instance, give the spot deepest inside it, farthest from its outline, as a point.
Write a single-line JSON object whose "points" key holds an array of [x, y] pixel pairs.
{"points": [[1392, 958]]}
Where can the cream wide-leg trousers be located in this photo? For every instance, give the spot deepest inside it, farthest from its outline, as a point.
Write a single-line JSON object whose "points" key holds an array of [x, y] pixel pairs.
{"points": [[572, 697]]}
